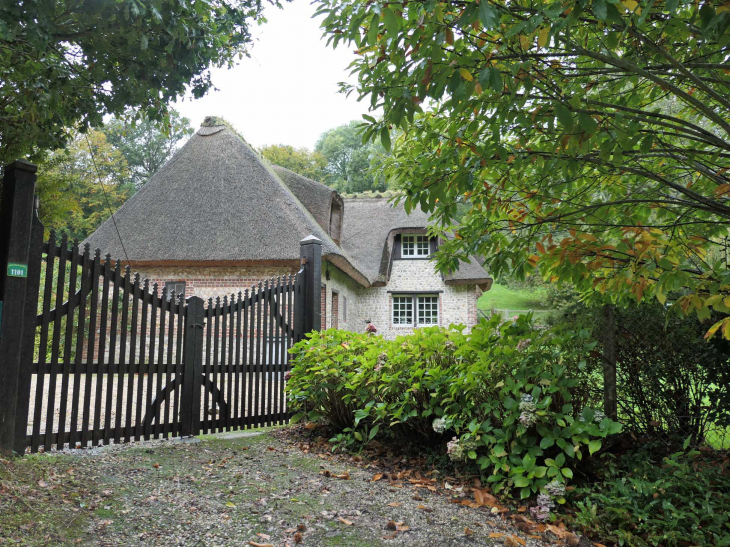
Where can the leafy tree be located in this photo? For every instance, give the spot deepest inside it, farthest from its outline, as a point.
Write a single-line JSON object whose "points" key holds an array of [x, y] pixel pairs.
{"points": [[300, 160], [588, 137], [351, 164], [147, 144], [81, 185], [67, 63]]}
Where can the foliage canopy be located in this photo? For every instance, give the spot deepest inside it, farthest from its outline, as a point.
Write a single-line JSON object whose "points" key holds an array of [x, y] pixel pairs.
{"points": [[588, 137], [67, 63]]}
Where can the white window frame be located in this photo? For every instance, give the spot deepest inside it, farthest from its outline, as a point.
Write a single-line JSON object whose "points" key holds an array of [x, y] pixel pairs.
{"points": [[414, 303], [433, 307], [415, 246], [401, 303]]}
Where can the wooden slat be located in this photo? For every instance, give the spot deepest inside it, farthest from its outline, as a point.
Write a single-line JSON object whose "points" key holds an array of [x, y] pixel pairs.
{"points": [[103, 323], [209, 315], [93, 312], [270, 347], [139, 417], [116, 279], [134, 368], [80, 337], [236, 398], [43, 342], [215, 412], [172, 310], [122, 351], [151, 362], [179, 358], [55, 345], [68, 340], [164, 312], [251, 356]]}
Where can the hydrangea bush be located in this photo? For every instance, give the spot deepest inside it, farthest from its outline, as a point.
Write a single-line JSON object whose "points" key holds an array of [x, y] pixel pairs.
{"points": [[490, 397]]}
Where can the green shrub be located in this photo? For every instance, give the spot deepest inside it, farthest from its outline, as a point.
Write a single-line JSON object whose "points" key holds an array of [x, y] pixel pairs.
{"points": [[501, 393], [682, 499]]}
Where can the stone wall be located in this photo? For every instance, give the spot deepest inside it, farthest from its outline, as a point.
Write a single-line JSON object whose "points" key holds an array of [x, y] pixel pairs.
{"points": [[214, 281], [357, 305], [457, 304]]}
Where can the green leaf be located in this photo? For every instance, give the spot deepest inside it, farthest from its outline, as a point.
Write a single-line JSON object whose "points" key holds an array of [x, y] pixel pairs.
{"points": [[566, 471], [599, 9], [385, 138], [488, 15], [587, 123], [564, 117], [521, 481], [547, 442], [392, 22], [594, 446], [358, 435], [373, 432], [373, 30]]}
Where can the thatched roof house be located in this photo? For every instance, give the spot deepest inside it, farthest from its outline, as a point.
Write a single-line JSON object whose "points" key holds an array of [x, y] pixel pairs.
{"points": [[218, 217]]}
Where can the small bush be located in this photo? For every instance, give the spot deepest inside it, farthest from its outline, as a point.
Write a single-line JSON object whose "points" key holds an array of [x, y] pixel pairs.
{"points": [[682, 499], [501, 394]]}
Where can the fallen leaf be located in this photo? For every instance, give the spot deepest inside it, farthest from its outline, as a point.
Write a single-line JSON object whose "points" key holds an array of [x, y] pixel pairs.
{"points": [[424, 508], [42, 483], [468, 531], [254, 544], [403, 528], [231, 504], [301, 528], [345, 521], [391, 525], [156, 465], [391, 536], [495, 535], [263, 536], [395, 504], [298, 538], [482, 497], [377, 477]]}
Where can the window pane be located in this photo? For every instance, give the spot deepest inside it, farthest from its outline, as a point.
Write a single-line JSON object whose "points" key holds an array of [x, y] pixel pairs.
{"points": [[402, 310], [408, 245], [422, 246], [428, 310]]}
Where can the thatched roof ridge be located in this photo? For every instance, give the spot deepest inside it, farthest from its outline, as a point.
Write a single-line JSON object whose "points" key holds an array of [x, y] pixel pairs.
{"points": [[216, 200], [371, 243]]}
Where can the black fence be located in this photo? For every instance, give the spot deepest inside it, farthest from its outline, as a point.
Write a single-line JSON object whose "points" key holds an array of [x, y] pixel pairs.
{"points": [[92, 354]]}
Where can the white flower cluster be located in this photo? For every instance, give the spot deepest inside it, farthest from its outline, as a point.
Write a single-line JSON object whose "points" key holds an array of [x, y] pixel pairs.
{"points": [[598, 416], [439, 425], [455, 450], [555, 489], [382, 358], [449, 345], [527, 410], [541, 511], [523, 344]]}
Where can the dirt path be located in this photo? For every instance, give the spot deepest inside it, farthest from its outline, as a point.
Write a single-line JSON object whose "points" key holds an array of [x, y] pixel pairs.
{"points": [[226, 491]]}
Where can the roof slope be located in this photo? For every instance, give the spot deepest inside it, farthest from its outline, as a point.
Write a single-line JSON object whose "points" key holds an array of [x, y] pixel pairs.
{"points": [[368, 233], [215, 200], [315, 196]]}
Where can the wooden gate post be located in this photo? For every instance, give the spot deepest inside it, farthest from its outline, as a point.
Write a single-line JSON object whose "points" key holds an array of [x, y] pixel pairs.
{"points": [[16, 227], [310, 252], [193, 362]]}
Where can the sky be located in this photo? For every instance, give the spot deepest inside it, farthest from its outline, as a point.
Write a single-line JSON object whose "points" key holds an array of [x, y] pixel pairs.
{"points": [[286, 92]]}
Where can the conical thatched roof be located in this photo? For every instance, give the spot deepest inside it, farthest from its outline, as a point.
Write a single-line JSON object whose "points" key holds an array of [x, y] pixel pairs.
{"points": [[215, 201]]}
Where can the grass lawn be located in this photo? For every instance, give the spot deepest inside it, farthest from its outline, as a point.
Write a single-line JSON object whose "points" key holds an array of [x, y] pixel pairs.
{"points": [[502, 297]]}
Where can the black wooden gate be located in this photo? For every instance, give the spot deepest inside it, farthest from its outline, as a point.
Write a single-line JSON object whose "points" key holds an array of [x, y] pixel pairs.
{"points": [[101, 356]]}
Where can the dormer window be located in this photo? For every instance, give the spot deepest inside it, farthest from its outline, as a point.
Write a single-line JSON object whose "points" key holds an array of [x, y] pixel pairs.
{"points": [[415, 246]]}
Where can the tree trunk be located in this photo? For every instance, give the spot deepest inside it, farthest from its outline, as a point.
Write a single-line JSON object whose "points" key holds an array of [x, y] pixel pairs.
{"points": [[610, 407]]}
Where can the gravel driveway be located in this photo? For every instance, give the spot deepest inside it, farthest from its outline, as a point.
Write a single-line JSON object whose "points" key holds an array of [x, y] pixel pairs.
{"points": [[240, 489]]}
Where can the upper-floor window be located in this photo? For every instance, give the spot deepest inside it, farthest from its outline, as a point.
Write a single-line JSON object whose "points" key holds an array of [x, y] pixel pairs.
{"points": [[415, 246]]}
